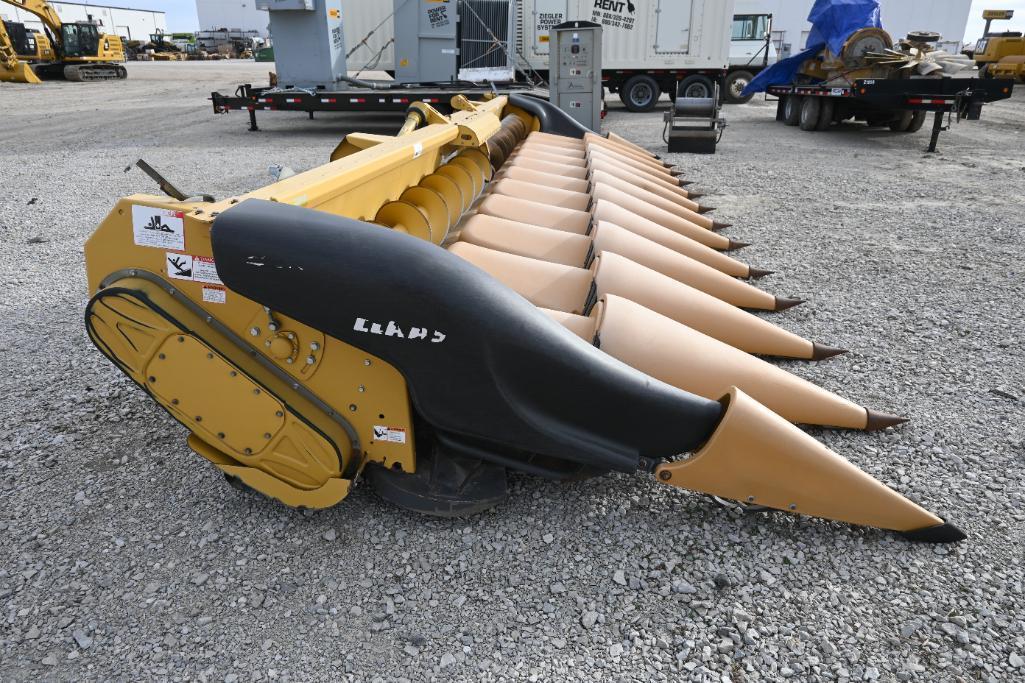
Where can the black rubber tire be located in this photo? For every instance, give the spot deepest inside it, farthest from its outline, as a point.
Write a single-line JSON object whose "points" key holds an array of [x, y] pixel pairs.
{"points": [[902, 122], [792, 110], [826, 110], [695, 86], [984, 71], [640, 93], [917, 121], [735, 82], [810, 108]]}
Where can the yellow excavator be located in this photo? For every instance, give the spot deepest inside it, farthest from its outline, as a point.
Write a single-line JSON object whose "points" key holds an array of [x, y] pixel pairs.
{"points": [[78, 51], [14, 67], [1000, 54]]}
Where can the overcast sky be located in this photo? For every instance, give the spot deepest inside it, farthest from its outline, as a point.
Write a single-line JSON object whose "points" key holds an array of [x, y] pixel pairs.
{"points": [[181, 14], [976, 25]]}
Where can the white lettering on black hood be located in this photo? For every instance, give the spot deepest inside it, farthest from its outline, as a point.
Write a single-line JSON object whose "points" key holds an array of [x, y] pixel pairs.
{"points": [[393, 329]]}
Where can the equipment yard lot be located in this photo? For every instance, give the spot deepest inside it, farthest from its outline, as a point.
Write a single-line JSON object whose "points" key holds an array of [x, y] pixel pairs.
{"points": [[123, 556]]}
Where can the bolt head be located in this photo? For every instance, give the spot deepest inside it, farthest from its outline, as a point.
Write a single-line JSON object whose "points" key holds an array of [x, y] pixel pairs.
{"points": [[310, 360], [665, 475], [254, 331], [314, 346]]}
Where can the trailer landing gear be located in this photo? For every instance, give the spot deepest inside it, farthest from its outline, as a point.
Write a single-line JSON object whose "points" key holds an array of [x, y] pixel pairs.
{"points": [[937, 127]]}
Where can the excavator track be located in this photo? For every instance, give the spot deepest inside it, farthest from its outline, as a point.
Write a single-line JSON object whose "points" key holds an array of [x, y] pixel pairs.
{"points": [[95, 72]]}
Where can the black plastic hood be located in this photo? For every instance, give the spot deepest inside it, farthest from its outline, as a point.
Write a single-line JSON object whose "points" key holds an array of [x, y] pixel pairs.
{"points": [[480, 360]]}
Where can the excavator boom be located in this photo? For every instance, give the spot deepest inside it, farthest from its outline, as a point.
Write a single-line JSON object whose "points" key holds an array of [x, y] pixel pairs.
{"points": [[12, 68]]}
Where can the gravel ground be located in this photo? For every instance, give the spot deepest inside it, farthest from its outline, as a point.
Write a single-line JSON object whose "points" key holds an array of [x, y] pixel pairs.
{"points": [[123, 556]]}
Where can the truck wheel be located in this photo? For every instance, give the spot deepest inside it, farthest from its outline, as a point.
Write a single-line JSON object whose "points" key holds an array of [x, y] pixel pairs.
{"points": [[639, 93], [736, 81], [792, 110], [902, 122], [695, 86], [810, 109], [984, 71], [916, 121], [826, 109]]}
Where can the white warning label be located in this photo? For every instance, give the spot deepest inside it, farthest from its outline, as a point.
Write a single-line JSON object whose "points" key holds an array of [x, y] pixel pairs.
{"points": [[215, 295], [391, 434], [189, 267], [204, 270], [162, 228], [179, 266]]}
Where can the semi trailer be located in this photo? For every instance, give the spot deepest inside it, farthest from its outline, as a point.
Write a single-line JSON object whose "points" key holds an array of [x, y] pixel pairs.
{"points": [[649, 47]]}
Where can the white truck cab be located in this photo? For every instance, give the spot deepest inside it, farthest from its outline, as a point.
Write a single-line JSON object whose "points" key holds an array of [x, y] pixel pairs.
{"points": [[751, 50]]}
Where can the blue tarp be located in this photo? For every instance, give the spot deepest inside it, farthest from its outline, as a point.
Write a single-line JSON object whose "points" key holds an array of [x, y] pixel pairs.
{"points": [[832, 23]]}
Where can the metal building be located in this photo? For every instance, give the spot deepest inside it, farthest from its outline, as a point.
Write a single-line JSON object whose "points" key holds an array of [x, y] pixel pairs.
{"points": [[790, 26], [235, 14], [131, 24]]}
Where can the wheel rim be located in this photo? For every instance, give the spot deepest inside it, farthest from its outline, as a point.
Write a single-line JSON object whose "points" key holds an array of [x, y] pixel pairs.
{"points": [[737, 86], [696, 90], [640, 94]]}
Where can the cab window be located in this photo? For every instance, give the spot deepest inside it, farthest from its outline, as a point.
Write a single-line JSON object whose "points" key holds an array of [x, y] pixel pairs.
{"points": [[750, 26]]}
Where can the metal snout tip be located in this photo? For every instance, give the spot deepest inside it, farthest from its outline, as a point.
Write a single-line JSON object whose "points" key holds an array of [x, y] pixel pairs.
{"points": [[821, 351], [875, 421], [941, 533], [734, 245], [757, 273], [783, 303], [719, 225], [705, 209]]}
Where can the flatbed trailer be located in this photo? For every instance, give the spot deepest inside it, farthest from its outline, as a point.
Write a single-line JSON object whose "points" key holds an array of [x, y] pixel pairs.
{"points": [[902, 104], [250, 99]]}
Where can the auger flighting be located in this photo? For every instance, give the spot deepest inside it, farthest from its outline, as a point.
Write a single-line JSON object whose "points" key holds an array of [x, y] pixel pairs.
{"points": [[432, 309]]}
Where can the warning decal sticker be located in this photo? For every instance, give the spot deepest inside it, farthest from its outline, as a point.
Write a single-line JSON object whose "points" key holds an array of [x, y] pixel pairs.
{"points": [[204, 270], [162, 228], [179, 266], [215, 295], [189, 267], [391, 434]]}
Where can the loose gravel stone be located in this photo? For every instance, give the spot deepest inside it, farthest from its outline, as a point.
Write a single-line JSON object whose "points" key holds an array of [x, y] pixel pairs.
{"points": [[127, 557]]}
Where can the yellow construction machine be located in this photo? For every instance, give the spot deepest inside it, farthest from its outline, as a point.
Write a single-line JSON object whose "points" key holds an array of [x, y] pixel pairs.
{"points": [[14, 49], [79, 51], [999, 54], [497, 289]]}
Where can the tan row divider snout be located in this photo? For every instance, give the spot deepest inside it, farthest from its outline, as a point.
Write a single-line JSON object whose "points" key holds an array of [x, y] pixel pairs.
{"points": [[757, 457]]}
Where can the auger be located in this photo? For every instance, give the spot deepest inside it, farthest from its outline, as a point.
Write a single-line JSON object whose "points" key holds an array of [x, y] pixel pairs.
{"points": [[491, 290]]}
